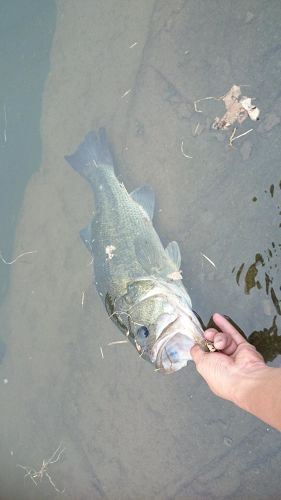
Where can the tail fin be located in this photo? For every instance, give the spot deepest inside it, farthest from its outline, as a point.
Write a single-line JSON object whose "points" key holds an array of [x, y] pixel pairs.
{"points": [[92, 153]]}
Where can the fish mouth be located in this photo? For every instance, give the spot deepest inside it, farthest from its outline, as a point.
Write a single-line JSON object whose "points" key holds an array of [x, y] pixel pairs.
{"points": [[171, 351], [174, 354]]}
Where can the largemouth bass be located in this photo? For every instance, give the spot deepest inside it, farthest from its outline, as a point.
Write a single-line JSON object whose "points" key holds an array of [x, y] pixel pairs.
{"points": [[138, 280]]}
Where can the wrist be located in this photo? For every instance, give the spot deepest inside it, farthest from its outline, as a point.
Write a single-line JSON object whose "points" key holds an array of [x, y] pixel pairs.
{"points": [[259, 393], [251, 384]]}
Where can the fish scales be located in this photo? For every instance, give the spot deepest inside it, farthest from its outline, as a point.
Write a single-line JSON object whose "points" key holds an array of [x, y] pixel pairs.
{"points": [[138, 280]]}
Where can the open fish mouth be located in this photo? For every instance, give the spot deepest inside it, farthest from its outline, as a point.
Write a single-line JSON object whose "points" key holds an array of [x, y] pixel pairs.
{"points": [[176, 334], [171, 350], [174, 354]]}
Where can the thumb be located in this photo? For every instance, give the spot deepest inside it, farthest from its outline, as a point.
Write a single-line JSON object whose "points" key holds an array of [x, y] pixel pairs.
{"points": [[198, 355]]}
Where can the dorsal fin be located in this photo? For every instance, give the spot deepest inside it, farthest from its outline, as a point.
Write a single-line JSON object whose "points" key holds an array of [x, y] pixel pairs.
{"points": [[144, 196], [173, 251]]}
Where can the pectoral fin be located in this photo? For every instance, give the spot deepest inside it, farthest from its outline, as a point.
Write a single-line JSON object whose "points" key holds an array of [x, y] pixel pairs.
{"points": [[173, 252]]}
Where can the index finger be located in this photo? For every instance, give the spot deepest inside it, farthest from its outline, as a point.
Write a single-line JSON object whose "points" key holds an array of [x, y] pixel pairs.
{"points": [[227, 327]]}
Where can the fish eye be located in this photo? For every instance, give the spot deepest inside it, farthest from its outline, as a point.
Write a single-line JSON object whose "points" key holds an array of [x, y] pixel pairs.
{"points": [[142, 332]]}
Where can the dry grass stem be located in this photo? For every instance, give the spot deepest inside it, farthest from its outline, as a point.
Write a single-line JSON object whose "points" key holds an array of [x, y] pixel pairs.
{"points": [[233, 137], [184, 154], [133, 45], [196, 129], [205, 99], [101, 351], [125, 93], [118, 342], [37, 476], [119, 313], [209, 260], [9, 263]]}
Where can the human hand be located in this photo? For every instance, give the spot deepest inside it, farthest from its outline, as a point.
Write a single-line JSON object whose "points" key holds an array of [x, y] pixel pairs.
{"points": [[226, 371]]}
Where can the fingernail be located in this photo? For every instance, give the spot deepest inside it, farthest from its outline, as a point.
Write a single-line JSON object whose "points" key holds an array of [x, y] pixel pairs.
{"points": [[218, 343]]}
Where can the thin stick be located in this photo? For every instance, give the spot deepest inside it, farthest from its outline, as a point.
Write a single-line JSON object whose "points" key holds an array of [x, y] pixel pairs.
{"points": [[126, 93], [184, 154], [211, 97], [209, 260], [18, 257], [133, 45], [232, 135], [118, 342], [241, 135], [196, 129], [204, 99], [82, 299], [101, 351], [37, 476]]}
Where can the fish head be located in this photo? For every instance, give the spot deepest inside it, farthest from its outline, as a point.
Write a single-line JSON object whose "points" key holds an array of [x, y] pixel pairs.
{"points": [[161, 323]]}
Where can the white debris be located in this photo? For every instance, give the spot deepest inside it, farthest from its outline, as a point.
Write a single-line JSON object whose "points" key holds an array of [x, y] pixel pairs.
{"points": [[176, 275], [109, 250], [208, 259], [125, 93], [251, 109], [183, 153], [115, 342]]}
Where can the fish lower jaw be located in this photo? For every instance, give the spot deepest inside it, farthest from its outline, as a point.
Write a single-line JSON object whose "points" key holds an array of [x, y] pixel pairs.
{"points": [[173, 353]]}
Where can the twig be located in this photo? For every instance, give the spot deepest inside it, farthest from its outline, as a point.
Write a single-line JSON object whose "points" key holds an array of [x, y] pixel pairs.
{"points": [[37, 476], [232, 135], [205, 99], [125, 93], [208, 259], [118, 313], [101, 351], [232, 138], [133, 45], [184, 154], [220, 98], [196, 129], [18, 257], [118, 342]]}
